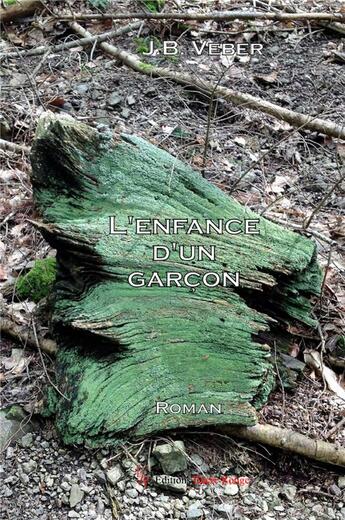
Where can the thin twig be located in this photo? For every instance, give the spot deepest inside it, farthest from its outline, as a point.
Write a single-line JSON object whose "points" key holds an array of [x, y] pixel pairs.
{"points": [[44, 365], [335, 428], [37, 51], [209, 121], [322, 202]]}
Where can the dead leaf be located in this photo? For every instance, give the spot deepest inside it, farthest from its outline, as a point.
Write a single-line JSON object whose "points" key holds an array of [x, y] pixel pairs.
{"points": [[17, 362], [267, 78], [279, 184], [313, 359], [294, 350], [240, 140]]}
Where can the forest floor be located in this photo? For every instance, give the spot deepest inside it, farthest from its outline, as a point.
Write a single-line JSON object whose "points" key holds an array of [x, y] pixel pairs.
{"points": [[291, 175]]}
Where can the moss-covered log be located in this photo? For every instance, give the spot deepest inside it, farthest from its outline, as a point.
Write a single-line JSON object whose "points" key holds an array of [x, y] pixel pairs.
{"points": [[122, 349]]}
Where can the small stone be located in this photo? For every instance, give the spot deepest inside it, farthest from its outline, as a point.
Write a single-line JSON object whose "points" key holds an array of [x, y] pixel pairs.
{"points": [[65, 486], [132, 493], [341, 482], [73, 514], [334, 490], [125, 113], [131, 100], [82, 88], [76, 495], [231, 489], [121, 485], [27, 440], [29, 467], [225, 510], [114, 474], [114, 99], [174, 484], [194, 511], [171, 457], [289, 491], [279, 508]]}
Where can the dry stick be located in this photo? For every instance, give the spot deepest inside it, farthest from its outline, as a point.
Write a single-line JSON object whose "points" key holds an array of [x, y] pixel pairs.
{"points": [[208, 127], [322, 202], [276, 6], [43, 363], [69, 45], [299, 228], [335, 428], [15, 331], [13, 147], [218, 15], [18, 9], [289, 440], [237, 98]]}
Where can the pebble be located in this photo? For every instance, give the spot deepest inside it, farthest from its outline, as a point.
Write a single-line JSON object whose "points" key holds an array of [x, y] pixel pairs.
{"points": [[76, 495], [341, 482], [132, 493], [27, 440], [131, 100], [114, 474], [194, 511], [231, 489], [29, 467], [335, 490], [114, 99], [289, 491]]}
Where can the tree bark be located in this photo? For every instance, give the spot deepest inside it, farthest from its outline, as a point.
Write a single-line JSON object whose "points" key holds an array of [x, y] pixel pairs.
{"points": [[291, 441]]}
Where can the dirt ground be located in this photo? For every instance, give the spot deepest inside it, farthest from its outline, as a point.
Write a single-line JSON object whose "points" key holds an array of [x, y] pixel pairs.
{"points": [[290, 174]]}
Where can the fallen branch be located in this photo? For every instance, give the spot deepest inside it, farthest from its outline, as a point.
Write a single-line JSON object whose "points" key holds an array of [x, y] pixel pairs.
{"points": [[220, 16], [13, 147], [277, 6], [19, 9], [37, 51], [289, 440], [19, 333], [237, 98]]}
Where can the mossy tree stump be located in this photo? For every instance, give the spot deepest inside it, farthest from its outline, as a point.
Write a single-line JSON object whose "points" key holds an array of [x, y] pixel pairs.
{"points": [[122, 349]]}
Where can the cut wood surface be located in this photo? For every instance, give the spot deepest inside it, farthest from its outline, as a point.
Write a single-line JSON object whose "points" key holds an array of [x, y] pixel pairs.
{"points": [[122, 349]]}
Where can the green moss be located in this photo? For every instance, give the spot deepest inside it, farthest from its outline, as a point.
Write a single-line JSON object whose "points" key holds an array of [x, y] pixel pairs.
{"points": [[38, 282], [122, 349], [154, 6], [143, 44]]}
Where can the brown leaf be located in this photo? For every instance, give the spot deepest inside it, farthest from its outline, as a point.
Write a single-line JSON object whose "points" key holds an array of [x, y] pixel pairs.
{"points": [[294, 350], [57, 102], [267, 78]]}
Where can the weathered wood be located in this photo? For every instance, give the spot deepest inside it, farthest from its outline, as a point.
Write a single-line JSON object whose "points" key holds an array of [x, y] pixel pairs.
{"points": [[122, 348]]}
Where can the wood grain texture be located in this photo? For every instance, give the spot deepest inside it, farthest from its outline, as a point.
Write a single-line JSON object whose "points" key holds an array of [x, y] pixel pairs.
{"points": [[121, 348]]}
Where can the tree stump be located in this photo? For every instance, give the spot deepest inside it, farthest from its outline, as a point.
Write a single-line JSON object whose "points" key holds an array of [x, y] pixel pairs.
{"points": [[197, 352]]}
